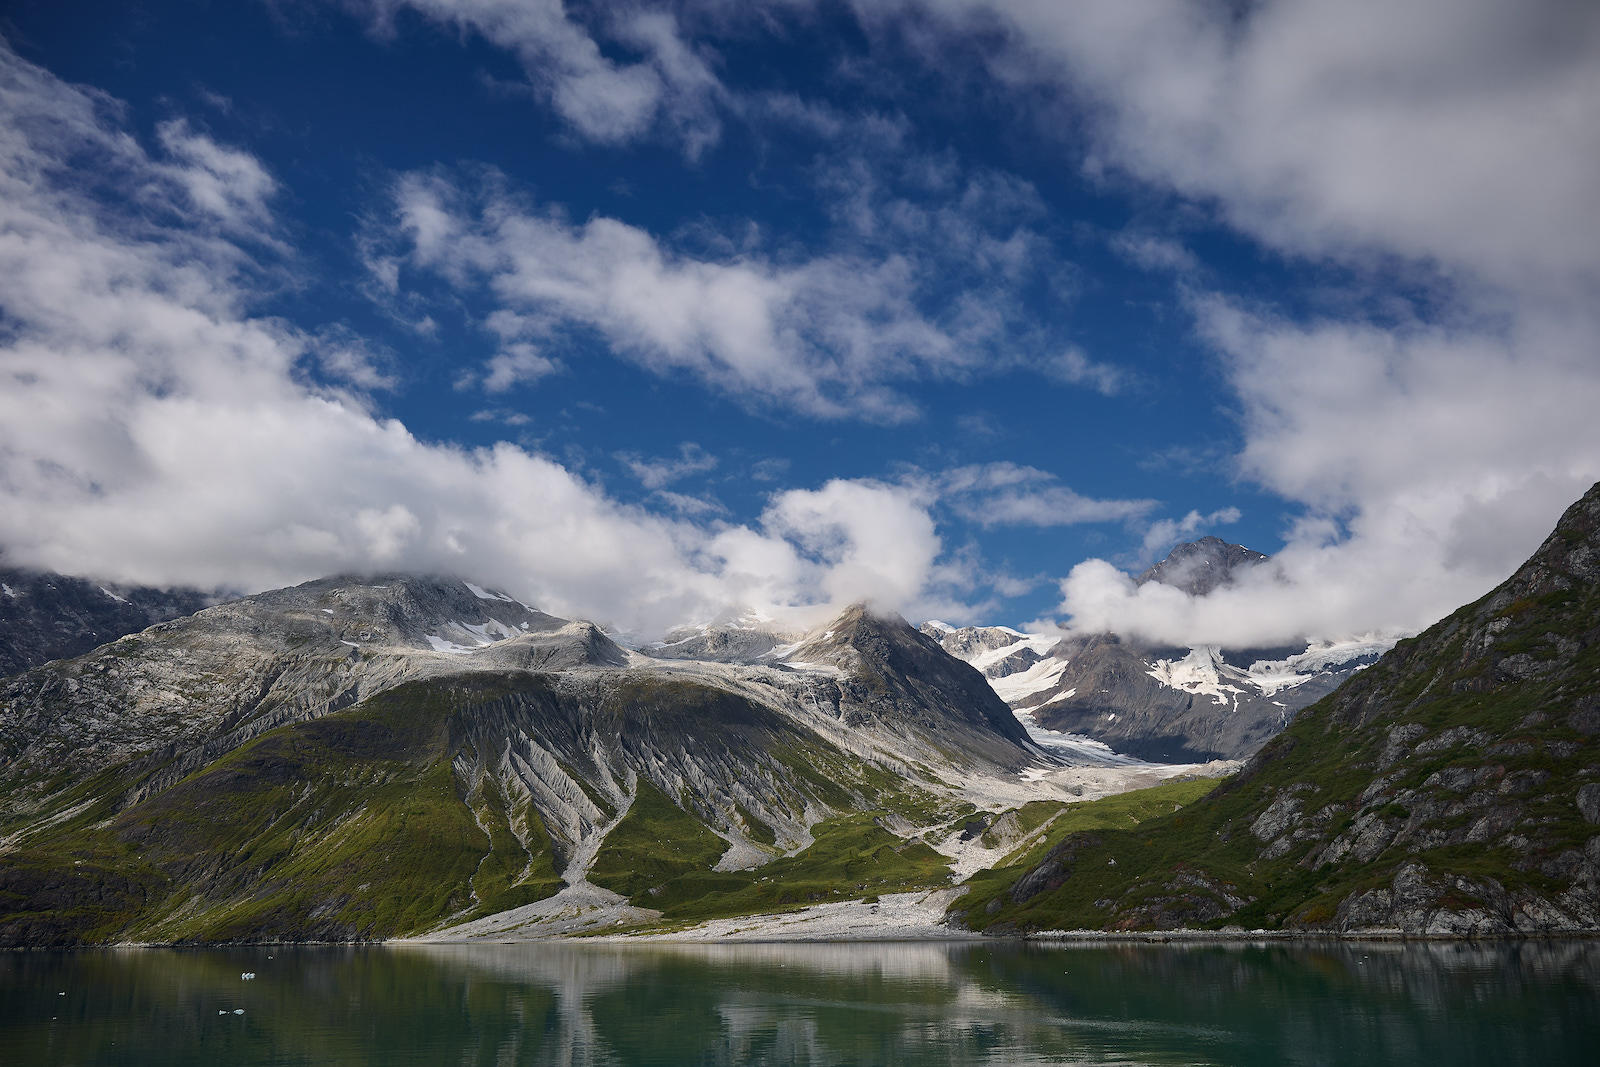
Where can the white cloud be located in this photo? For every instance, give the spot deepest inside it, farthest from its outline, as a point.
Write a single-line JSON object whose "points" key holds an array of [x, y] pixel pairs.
{"points": [[225, 183], [1164, 533], [348, 358], [828, 334], [154, 429], [655, 473], [1457, 131], [669, 86], [1155, 253], [517, 363], [1010, 494], [869, 540], [1076, 368], [1442, 146], [1431, 463]]}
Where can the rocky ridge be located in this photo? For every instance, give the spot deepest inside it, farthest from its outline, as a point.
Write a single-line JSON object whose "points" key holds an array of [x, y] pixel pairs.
{"points": [[1453, 788], [46, 616]]}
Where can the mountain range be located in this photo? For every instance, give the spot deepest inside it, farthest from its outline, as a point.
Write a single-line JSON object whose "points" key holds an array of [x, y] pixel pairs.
{"points": [[375, 756], [1174, 705], [364, 757]]}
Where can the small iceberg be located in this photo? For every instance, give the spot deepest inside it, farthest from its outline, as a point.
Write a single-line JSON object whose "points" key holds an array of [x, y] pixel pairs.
{"points": [[247, 975]]}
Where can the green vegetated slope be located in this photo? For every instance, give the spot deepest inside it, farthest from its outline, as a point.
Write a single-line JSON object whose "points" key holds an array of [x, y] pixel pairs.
{"points": [[350, 826], [1453, 787], [398, 815]]}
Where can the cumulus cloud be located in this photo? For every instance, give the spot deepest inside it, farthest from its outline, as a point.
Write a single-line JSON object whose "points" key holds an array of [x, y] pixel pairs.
{"points": [[1430, 461], [877, 542], [1458, 131], [828, 334], [666, 87], [154, 428]]}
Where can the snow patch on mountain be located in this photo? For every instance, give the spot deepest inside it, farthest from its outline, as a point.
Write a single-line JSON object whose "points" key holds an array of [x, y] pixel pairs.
{"points": [[1201, 673], [1015, 689], [1271, 676]]}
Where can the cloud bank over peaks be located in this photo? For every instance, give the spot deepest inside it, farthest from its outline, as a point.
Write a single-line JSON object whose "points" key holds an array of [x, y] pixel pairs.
{"points": [[154, 429], [1430, 461]]}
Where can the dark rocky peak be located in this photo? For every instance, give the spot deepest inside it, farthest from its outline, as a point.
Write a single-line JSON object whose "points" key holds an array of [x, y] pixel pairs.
{"points": [[46, 616], [1198, 567], [1569, 559], [859, 632], [892, 666]]}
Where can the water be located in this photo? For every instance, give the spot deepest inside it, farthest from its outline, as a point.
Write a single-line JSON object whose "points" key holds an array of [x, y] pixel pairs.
{"points": [[807, 1004]]}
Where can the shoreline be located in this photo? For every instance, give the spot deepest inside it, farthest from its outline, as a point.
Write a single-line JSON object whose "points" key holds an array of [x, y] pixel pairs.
{"points": [[948, 937]]}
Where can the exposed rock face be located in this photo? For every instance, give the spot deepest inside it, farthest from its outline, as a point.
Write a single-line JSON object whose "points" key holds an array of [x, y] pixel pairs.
{"points": [[997, 651], [47, 616], [720, 644], [1452, 788], [895, 674], [1186, 705]]}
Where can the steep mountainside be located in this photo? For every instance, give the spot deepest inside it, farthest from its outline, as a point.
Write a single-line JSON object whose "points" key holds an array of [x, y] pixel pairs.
{"points": [[46, 616], [1175, 705], [361, 758], [1453, 787]]}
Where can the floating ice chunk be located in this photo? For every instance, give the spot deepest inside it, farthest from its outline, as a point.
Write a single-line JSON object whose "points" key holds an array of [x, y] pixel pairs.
{"points": [[238, 1011], [247, 975]]}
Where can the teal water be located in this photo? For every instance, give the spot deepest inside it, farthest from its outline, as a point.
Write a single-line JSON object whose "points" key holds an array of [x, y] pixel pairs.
{"points": [[807, 1004]]}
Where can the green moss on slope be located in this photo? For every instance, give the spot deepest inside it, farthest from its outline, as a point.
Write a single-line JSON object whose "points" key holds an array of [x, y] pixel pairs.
{"points": [[655, 842]]}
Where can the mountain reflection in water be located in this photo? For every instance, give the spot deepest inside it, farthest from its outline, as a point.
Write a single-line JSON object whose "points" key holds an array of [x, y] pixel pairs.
{"points": [[986, 1003]]}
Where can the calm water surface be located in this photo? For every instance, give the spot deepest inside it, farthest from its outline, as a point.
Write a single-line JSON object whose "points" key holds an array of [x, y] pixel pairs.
{"points": [[807, 1004]]}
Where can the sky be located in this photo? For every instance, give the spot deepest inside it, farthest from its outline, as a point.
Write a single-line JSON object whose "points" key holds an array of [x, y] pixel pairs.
{"points": [[657, 313]]}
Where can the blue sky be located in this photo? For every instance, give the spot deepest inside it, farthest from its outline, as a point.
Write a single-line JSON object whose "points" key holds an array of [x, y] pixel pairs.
{"points": [[655, 312]]}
